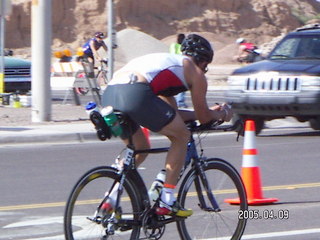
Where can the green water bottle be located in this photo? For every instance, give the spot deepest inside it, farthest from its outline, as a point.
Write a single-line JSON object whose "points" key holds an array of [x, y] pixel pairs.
{"points": [[112, 121]]}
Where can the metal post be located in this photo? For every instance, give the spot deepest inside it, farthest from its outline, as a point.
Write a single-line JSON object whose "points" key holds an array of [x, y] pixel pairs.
{"points": [[41, 60], [111, 39], [2, 26], [5, 10]]}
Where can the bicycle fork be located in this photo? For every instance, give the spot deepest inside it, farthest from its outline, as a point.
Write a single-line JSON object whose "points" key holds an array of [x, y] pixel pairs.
{"points": [[113, 220], [201, 181]]}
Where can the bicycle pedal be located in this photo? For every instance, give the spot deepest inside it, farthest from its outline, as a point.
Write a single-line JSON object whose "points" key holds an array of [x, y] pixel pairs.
{"points": [[103, 131]]}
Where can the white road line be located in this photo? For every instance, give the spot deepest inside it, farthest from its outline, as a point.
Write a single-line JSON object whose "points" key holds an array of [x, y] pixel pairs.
{"points": [[281, 234]]}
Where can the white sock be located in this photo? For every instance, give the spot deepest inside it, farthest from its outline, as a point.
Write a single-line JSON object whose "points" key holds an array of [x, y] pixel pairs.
{"points": [[167, 196]]}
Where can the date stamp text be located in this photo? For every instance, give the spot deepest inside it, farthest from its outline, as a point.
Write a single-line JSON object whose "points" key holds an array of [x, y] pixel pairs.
{"points": [[266, 214]]}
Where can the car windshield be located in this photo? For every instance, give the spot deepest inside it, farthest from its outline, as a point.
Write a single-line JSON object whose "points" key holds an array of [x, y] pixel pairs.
{"points": [[297, 47]]}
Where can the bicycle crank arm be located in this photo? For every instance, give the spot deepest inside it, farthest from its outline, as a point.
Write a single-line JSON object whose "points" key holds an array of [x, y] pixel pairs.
{"points": [[97, 220]]}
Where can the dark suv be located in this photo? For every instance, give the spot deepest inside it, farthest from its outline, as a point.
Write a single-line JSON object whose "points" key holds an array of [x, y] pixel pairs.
{"points": [[286, 83]]}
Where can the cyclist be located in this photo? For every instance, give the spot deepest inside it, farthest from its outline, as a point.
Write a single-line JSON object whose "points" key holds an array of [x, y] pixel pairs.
{"points": [[144, 89], [246, 51], [91, 47]]}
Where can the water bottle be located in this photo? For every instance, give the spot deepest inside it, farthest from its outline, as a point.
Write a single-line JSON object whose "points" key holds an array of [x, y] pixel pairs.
{"points": [[90, 107], [157, 185], [111, 120]]}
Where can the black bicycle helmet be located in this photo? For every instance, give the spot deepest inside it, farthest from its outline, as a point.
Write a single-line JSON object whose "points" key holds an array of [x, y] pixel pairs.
{"points": [[99, 35], [197, 47]]}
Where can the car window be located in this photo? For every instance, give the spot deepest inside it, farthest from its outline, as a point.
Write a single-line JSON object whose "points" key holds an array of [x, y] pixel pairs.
{"points": [[286, 49], [298, 47]]}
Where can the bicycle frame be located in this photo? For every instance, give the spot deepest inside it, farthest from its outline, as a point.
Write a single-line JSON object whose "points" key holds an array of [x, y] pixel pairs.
{"points": [[192, 155]]}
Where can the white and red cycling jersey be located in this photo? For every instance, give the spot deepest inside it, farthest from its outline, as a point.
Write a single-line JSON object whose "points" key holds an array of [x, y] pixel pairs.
{"points": [[163, 71]]}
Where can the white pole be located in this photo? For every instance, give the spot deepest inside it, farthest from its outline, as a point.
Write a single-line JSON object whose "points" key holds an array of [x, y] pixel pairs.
{"points": [[111, 39], [41, 60], [2, 27]]}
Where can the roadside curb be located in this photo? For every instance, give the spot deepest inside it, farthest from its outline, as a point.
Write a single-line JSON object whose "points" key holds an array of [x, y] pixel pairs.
{"points": [[48, 138]]}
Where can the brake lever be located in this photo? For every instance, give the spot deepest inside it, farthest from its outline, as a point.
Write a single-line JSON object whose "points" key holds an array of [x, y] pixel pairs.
{"points": [[241, 130]]}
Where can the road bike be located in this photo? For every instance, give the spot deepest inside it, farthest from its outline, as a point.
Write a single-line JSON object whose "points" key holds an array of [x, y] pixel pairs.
{"points": [[204, 185]]}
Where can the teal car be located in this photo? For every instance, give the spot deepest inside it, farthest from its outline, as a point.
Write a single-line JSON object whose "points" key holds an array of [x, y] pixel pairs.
{"points": [[17, 75]]}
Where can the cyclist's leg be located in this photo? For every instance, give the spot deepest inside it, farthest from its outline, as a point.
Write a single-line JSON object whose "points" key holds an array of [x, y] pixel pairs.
{"points": [[140, 142], [90, 60], [178, 135]]}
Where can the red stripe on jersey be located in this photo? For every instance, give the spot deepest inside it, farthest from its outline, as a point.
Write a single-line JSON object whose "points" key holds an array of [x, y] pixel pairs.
{"points": [[165, 82]]}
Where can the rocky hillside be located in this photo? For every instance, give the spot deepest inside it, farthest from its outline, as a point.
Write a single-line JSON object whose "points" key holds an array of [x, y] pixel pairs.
{"points": [[73, 21]]}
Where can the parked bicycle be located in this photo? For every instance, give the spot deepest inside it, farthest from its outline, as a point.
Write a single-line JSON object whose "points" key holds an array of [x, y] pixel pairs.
{"points": [[100, 77], [205, 183]]}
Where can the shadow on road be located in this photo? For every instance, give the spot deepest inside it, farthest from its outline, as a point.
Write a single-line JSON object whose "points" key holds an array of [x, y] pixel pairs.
{"points": [[299, 134]]}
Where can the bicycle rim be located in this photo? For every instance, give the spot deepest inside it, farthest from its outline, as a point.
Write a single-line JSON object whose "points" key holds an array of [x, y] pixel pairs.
{"points": [[102, 80], [81, 90], [225, 183], [86, 197]]}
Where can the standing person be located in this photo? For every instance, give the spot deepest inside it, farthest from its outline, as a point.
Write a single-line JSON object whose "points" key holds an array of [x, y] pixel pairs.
{"points": [[175, 48], [91, 47], [144, 89]]}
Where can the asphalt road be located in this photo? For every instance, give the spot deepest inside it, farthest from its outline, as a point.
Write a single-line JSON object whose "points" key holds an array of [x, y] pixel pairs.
{"points": [[36, 181]]}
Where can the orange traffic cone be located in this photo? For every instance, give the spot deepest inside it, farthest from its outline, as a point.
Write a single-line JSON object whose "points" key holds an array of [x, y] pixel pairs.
{"points": [[250, 171]]}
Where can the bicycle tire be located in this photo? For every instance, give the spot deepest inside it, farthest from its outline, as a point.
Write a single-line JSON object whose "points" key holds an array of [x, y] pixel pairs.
{"points": [[102, 80], [86, 196], [225, 182], [81, 90]]}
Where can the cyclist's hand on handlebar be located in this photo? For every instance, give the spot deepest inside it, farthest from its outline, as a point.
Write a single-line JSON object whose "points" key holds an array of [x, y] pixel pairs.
{"points": [[228, 112], [226, 109]]}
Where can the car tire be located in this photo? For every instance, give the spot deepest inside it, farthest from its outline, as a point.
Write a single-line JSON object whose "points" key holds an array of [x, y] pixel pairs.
{"points": [[259, 123], [315, 123]]}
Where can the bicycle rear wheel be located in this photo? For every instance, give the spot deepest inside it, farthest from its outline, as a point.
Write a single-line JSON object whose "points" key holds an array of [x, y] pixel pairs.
{"points": [[81, 90], [84, 200], [225, 182]]}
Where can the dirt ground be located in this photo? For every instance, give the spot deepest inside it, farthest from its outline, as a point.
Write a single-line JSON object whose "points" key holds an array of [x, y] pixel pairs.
{"points": [[60, 114]]}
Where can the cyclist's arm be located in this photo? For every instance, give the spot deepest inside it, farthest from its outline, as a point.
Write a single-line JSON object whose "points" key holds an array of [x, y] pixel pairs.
{"points": [[198, 89], [104, 46]]}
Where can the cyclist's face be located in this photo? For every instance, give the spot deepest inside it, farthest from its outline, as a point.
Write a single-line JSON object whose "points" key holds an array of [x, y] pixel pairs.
{"points": [[203, 66]]}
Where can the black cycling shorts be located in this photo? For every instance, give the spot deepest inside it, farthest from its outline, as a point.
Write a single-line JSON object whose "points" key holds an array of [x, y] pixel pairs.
{"points": [[139, 102]]}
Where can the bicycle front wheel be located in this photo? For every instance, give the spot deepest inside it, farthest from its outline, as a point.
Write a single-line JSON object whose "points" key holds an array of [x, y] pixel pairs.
{"points": [[84, 200], [102, 80], [207, 222]]}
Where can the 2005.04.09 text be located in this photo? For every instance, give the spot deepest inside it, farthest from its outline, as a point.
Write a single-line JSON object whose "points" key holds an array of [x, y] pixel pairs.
{"points": [[266, 214]]}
